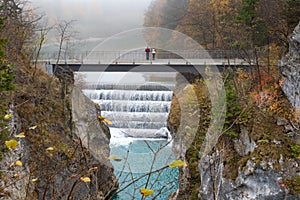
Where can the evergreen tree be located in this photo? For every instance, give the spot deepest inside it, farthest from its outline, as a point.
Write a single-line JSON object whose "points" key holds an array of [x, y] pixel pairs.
{"points": [[291, 13]]}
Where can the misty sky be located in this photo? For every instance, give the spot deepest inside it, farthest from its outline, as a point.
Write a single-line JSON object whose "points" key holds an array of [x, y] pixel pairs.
{"points": [[95, 18]]}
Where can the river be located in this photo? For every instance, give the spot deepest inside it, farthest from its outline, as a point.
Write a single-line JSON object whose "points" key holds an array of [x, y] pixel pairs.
{"points": [[137, 104]]}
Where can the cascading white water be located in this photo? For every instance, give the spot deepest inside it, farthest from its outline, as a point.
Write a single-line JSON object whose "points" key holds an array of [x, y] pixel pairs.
{"points": [[138, 134], [139, 113]]}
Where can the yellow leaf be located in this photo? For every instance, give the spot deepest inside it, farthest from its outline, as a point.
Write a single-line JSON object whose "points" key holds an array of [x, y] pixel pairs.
{"points": [[16, 175], [32, 127], [115, 158], [50, 149], [19, 163], [21, 135], [91, 169], [85, 179], [34, 179], [177, 163], [107, 121], [12, 164], [8, 116], [146, 192], [100, 118], [11, 144], [104, 120]]}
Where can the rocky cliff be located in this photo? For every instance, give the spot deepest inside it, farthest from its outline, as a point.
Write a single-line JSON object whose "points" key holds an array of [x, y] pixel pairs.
{"points": [[94, 136], [290, 69], [256, 157], [65, 149]]}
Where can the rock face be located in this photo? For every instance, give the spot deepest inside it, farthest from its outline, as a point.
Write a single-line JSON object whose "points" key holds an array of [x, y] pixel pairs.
{"points": [[87, 127], [211, 169], [94, 136], [65, 120], [254, 183], [290, 69], [16, 190], [244, 145], [256, 164]]}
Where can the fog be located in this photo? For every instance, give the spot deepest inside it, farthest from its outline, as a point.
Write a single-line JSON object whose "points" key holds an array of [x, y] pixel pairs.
{"points": [[95, 18]]}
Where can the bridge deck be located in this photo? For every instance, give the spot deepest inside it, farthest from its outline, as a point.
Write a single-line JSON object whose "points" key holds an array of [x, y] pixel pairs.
{"points": [[155, 62], [160, 65]]}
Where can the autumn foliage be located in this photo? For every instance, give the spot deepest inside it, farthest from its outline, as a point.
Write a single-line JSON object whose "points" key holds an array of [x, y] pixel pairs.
{"points": [[219, 24]]}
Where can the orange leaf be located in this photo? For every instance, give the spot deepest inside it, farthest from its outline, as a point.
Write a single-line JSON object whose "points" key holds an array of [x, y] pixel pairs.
{"points": [[73, 175]]}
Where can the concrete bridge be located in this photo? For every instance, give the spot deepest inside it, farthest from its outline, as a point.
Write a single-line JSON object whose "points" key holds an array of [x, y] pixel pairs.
{"points": [[135, 61]]}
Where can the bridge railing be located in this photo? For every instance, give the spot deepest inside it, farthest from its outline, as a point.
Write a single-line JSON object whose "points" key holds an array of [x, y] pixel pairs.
{"points": [[135, 56]]}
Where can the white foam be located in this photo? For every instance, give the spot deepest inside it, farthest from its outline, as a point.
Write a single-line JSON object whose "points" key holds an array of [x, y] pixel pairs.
{"points": [[118, 138]]}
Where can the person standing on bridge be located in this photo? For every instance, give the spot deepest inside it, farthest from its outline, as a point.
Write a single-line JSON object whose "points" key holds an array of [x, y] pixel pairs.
{"points": [[147, 50], [153, 53]]}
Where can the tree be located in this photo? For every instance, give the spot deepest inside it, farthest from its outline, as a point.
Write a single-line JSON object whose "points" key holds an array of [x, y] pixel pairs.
{"points": [[291, 13], [2, 40], [65, 33], [253, 28], [165, 13], [42, 32], [6, 78], [18, 28]]}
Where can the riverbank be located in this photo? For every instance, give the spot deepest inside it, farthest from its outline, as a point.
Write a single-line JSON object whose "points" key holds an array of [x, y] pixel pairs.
{"points": [[56, 161], [256, 155]]}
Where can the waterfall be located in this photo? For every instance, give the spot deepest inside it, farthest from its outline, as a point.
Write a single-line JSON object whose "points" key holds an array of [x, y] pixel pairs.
{"points": [[138, 111]]}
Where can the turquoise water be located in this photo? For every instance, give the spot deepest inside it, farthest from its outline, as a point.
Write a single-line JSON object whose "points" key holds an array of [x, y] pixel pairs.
{"points": [[137, 104], [137, 158]]}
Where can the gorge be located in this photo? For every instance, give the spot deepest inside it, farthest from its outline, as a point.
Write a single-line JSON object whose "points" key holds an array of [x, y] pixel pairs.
{"points": [[137, 114], [226, 134]]}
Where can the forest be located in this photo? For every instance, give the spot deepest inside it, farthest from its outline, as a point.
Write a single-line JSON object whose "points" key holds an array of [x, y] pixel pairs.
{"points": [[228, 24]]}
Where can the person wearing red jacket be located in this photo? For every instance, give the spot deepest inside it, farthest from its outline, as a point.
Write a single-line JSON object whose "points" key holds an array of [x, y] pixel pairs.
{"points": [[147, 50]]}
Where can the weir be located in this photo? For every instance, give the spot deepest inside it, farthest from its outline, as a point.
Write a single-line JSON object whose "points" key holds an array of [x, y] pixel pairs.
{"points": [[139, 136], [138, 113]]}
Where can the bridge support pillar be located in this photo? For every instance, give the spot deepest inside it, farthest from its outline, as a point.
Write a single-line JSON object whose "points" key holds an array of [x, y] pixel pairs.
{"points": [[49, 68]]}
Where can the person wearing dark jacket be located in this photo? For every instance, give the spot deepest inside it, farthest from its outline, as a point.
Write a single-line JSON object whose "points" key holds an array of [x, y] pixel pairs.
{"points": [[147, 50]]}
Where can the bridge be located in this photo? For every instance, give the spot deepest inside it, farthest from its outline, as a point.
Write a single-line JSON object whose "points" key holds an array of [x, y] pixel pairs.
{"points": [[135, 61]]}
